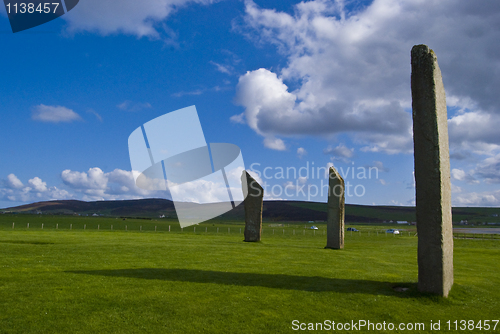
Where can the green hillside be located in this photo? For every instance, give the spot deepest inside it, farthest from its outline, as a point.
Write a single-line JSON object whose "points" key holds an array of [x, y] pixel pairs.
{"points": [[273, 211]]}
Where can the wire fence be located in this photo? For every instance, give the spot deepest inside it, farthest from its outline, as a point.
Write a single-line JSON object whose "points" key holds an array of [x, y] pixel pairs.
{"points": [[234, 229]]}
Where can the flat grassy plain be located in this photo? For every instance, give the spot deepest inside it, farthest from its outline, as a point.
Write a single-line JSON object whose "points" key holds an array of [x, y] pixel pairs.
{"points": [[117, 281]]}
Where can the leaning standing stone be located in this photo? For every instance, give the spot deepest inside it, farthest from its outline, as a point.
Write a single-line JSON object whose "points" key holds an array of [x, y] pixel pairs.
{"points": [[253, 207], [336, 202], [432, 174]]}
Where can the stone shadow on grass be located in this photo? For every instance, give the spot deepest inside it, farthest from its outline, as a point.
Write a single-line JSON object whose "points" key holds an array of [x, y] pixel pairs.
{"points": [[274, 281]]}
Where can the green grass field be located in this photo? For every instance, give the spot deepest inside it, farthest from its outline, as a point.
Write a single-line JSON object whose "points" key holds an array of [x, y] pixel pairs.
{"points": [[117, 281]]}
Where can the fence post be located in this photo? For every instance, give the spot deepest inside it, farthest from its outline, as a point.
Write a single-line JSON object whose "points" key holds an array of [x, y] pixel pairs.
{"points": [[42, 226]]}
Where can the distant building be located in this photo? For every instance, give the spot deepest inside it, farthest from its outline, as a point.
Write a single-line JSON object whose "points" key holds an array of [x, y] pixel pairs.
{"points": [[403, 222]]}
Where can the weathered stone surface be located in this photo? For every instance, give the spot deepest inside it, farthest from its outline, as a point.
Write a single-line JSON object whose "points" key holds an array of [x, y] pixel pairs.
{"points": [[253, 207], [432, 173], [336, 202]]}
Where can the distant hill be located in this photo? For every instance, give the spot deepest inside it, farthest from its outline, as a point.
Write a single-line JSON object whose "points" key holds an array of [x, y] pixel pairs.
{"points": [[273, 211], [133, 208]]}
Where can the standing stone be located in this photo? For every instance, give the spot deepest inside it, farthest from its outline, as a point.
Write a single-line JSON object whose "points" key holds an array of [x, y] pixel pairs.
{"points": [[253, 207], [336, 202], [432, 174]]}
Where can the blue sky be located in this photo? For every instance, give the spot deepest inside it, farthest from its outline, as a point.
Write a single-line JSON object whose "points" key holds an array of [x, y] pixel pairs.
{"points": [[293, 84]]}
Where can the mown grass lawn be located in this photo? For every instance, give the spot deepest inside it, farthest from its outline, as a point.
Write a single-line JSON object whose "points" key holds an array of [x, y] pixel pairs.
{"points": [[76, 281]]}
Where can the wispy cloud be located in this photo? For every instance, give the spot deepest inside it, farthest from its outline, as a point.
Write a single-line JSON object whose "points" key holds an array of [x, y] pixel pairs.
{"points": [[93, 112], [202, 91], [193, 92], [340, 152], [131, 106], [129, 17], [222, 68], [54, 114]]}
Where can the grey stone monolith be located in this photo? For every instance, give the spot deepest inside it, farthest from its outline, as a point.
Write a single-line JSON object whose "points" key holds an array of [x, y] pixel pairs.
{"points": [[336, 202], [253, 207], [432, 173]]}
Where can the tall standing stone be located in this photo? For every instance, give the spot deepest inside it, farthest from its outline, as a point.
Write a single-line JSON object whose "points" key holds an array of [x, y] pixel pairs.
{"points": [[432, 173], [336, 202], [253, 207]]}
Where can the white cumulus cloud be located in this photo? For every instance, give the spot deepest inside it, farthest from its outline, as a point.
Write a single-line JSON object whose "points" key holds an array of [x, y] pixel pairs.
{"points": [[274, 143], [13, 182], [301, 152], [117, 184], [486, 198], [475, 131], [13, 190], [93, 179], [350, 71], [37, 184]]}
